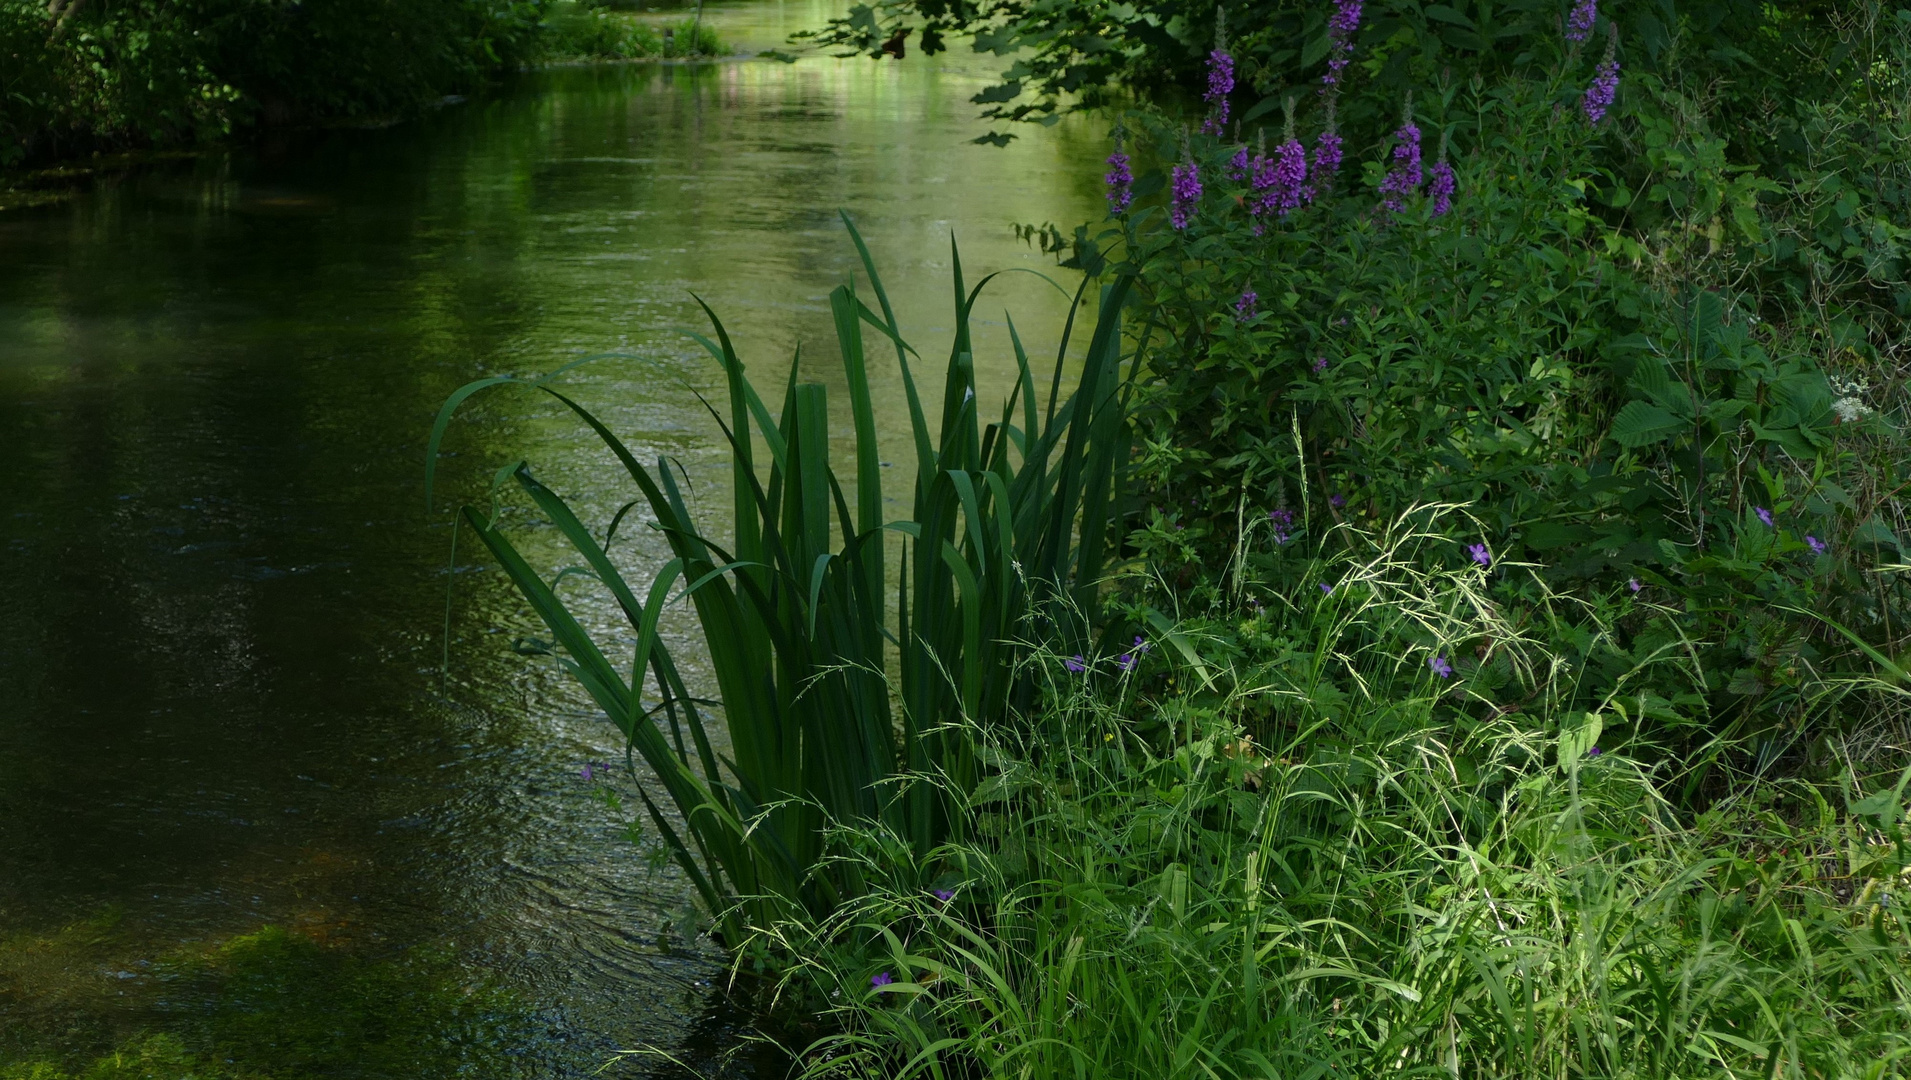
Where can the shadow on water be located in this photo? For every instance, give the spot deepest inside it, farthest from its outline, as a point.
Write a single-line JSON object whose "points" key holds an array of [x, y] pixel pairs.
{"points": [[221, 701]]}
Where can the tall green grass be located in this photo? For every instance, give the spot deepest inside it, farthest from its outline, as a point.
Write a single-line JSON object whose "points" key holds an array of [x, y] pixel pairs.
{"points": [[835, 713], [1389, 873]]}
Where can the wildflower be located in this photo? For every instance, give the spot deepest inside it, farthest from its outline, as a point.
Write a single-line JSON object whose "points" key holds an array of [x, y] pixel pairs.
{"points": [[1281, 181], [1633, 584], [1187, 193], [1239, 167], [1326, 589], [585, 772], [1341, 26], [1818, 547], [1283, 522], [1129, 659], [1076, 664], [1404, 178], [1579, 24], [592, 768], [1326, 158], [944, 895], [1440, 666], [1336, 500], [1764, 515], [1480, 554], [1320, 365], [1594, 752], [1220, 79], [1119, 179], [1605, 85], [1441, 190], [881, 979], [1244, 307]]}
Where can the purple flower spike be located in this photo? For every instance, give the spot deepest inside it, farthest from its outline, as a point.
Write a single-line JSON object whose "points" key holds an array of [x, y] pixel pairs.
{"points": [[1244, 308], [1764, 515], [1440, 666], [1404, 178], [944, 895], [1326, 157], [1579, 24], [1076, 664], [1341, 26], [1480, 554], [1187, 193], [1442, 188], [1119, 180], [1239, 167], [881, 979], [1605, 85], [1280, 182], [1320, 365], [1818, 547], [1220, 85]]}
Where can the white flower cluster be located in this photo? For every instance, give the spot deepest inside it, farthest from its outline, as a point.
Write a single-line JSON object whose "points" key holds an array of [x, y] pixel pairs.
{"points": [[1848, 397]]}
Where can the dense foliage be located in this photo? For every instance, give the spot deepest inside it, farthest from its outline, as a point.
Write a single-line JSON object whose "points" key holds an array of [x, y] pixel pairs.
{"points": [[77, 76]]}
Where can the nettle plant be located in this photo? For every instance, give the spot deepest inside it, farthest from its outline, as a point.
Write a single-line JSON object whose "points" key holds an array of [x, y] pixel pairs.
{"points": [[1342, 333]]}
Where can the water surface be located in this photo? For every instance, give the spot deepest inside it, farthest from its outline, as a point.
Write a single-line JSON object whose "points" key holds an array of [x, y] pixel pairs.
{"points": [[222, 599]]}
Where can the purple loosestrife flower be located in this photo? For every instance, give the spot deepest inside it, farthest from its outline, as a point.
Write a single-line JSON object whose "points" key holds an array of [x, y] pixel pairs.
{"points": [[1605, 85], [1244, 308], [1239, 167], [1341, 26], [1764, 515], [1404, 178], [1440, 666], [881, 979], [1442, 188], [1480, 554], [1818, 547], [1119, 179], [1186, 189], [1283, 522], [1282, 181], [1076, 664], [1220, 78], [1579, 24]]}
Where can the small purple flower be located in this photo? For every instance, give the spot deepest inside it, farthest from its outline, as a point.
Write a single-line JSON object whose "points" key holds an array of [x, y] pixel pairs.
{"points": [[944, 895], [1633, 584], [1441, 190], [1245, 307], [1764, 515], [1220, 85], [592, 768], [881, 979], [1187, 193], [1594, 752], [1320, 364], [1336, 500], [1280, 182], [1818, 547], [1404, 178], [1440, 666], [1283, 521], [585, 772], [1239, 166], [1341, 26], [1141, 645], [1605, 85], [1326, 589], [1579, 24], [1480, 554], [1076, 664], [1119, 180], [1327, 152]]}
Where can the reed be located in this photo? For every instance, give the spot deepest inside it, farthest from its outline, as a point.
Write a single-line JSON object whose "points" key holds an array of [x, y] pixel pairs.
{"points": [[834, 712]]}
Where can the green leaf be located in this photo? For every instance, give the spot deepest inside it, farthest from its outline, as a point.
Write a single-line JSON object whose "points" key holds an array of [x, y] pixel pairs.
{"points": [[1640, 424]]}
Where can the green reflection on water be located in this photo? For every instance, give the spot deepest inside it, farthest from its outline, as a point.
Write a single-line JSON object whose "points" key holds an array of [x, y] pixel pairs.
{"points": [[219, 614]]}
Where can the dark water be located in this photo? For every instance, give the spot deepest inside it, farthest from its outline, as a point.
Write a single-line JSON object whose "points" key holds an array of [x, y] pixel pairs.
{"points": [[221, 595]]}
